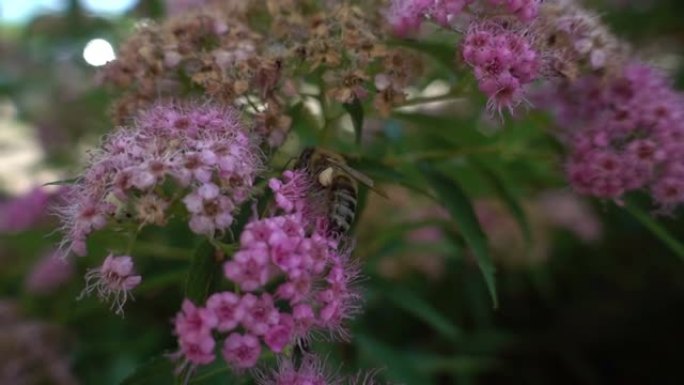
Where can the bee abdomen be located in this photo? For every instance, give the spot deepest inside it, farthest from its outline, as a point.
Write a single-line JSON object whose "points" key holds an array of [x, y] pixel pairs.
{"points": [[343, 209]]}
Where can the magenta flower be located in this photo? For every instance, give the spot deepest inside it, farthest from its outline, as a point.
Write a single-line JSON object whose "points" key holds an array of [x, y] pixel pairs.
{"points": [[193, 326], [241, 351], [503, 62], [525, 10], [115, 278], [295, 282], [193, 320], [623, 135], [226, 306], [259, 313], [291, 192], [311, 370], [249, 269], [406, 16], [25, 211], [281, 334], [198, 349]]}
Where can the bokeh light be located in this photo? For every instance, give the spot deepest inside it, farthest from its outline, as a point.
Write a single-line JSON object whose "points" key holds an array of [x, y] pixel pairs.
{"points": [[98, 52]]}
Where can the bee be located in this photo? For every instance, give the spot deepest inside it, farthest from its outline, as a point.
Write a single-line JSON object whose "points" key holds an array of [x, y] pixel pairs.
{"points": [[340, 183]]}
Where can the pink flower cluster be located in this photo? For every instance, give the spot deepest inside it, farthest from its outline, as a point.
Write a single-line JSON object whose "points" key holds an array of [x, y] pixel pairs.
{"points": [[624, 134], [25, 211], [203, 151], [503, 62], [115, 278], [49, 273], [406, 16], [293, 281]]}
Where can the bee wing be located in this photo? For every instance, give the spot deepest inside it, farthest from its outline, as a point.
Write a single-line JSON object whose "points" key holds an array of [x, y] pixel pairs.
{"points": [[361, 177]]}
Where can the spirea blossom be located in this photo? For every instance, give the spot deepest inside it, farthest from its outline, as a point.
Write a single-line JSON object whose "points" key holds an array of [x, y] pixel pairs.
{"points": [[293, 281], [25, 211], [48, 273], [577, 39], [503, 61], [112, 281], [406, 16], [200, 155], [624, 134], [311, 370]]}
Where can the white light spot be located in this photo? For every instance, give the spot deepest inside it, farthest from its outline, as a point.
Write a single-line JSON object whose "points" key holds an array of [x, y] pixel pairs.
{"points": [[98, 52], [108, 7]]}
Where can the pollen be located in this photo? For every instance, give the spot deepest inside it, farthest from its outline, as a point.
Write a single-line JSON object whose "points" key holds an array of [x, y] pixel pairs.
{"points": [[325, 177]]}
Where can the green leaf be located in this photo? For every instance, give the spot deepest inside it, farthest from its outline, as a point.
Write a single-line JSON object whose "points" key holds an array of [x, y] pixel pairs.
{"points": [[452, 364], [656, 228], [62, 182], [509, 199], [158, 371], [443, 53], [400, 367], [355, 110], [381, 172], [217, 373], [452, 197], [203, 273], [304, 125], [421, 309]]}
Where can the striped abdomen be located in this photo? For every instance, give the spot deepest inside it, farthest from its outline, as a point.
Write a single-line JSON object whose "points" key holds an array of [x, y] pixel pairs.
{"points": [[343, 193]]}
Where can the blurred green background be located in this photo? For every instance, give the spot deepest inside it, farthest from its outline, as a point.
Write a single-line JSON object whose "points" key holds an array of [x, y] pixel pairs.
{"points": [[595, 298]]}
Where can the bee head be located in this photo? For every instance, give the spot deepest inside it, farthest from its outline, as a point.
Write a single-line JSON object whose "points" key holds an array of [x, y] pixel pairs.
{"points": [[304, 158]]}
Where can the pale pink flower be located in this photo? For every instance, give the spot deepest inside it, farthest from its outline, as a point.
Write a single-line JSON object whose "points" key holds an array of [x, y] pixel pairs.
{"points": [[115, 278]]}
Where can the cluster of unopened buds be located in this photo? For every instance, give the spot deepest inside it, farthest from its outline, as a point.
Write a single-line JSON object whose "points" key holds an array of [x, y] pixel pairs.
{"points": [[294, 282]]}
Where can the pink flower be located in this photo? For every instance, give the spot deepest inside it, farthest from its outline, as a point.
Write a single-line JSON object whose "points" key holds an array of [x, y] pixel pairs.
{"points": [[193, 320], [624, 134], [241, 351], [280, 335], [193, 144], [304, 319], [115, 278], [192, 166], [525, 10], [249, 269], [291, 192], [210, 210], [48, 273], [310, 371], [198, 349], [25, 211], [406, 16], [259, 313], [226, 307], [339, 301], [503, 62]]}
